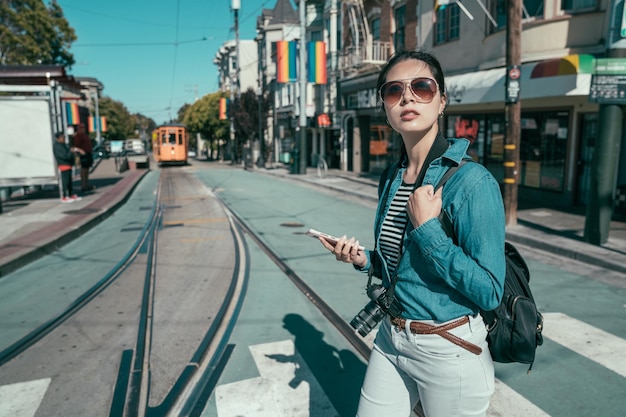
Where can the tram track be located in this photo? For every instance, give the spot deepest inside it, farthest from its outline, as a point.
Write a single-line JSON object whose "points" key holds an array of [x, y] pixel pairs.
{"points": [[32, 337], [336, 320], [187, 396], [132, 390]]}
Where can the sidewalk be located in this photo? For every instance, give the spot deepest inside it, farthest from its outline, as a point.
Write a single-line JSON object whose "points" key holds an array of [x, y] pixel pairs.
{"points": [[37, 224]]}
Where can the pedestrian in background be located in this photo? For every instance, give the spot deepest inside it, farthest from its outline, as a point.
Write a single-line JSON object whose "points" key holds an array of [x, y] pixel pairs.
{"points": [[431, 346], [82, 141], [65, 157]]}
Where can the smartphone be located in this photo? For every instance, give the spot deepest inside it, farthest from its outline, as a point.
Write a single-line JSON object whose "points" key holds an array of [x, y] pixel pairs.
{"points": [[330, 239]]}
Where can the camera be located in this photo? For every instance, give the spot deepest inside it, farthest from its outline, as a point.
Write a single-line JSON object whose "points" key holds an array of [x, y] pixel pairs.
{"points": [[381, 304]]}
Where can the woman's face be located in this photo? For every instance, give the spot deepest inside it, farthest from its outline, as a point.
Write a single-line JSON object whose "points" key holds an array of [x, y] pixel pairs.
{"points": [[412, 112]]}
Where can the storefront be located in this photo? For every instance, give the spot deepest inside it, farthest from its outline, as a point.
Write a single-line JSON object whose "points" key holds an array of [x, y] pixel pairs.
{"points": [[558, 126], [372, 143]]}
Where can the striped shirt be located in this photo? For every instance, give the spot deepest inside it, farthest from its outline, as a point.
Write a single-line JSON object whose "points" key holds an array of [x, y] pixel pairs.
{"points": [[394, 225]]}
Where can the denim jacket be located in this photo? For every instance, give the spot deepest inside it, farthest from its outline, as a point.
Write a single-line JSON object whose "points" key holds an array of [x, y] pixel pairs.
{"points": [[438, 279]]}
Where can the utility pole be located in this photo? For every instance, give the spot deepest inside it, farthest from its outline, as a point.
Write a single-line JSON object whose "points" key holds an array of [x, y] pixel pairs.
{"points": [[513, 110], [234, 81], [333, 59], [302, 75], [261, 162], [97, 120]]}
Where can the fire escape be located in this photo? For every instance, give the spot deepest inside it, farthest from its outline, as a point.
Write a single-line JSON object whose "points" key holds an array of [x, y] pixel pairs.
{"points": [[364, 52]]}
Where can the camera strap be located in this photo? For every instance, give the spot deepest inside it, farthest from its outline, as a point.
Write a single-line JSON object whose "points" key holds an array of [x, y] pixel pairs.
{"points": [[438, 148]]}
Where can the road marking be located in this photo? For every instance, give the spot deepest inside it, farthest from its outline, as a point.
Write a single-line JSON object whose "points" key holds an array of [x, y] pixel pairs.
{"points": [[196, 221], [23, 398], [586, 340], [203, 239], [507, 402], [286, 387]]}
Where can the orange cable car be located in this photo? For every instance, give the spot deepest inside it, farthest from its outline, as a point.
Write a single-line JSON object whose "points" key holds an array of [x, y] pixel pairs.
{"points": [[170, 144]]}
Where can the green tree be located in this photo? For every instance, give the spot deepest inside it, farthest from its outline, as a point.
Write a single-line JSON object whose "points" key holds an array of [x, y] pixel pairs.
{"points": [[143, 126], [246, 115], [246, 118], [33, 34], [203, 117], [182, 111], [120, 123]]}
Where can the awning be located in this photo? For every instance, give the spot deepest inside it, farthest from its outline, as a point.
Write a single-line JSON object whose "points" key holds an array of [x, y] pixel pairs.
{"points": [[567, 76], [568, 65]]}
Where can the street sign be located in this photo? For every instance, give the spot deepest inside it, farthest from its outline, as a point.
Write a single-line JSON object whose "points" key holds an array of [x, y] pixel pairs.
{"points": [[513, 84], [608, 84]]}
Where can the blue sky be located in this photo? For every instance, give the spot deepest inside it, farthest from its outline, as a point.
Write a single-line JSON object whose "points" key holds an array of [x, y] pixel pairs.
{"points": [[150, 54]]}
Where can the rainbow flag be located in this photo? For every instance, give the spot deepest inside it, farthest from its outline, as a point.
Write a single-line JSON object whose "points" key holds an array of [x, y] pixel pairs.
{"points": [[72, 115], [317, 62], [223, 108], [286, 52], [93, 126]]}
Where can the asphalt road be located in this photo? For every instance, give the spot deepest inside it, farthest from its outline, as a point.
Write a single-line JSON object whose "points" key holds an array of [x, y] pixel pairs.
{"points": [[579, 371], [283, 352]]}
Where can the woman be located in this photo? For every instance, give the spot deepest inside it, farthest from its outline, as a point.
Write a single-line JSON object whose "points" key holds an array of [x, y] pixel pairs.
{"points": [[436, 281]]}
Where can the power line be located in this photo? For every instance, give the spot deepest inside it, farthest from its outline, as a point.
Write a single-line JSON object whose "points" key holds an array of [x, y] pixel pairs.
{"points": [[175, 54], [175, 43]]}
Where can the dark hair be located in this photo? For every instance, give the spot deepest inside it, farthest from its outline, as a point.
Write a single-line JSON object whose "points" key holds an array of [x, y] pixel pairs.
{"points": [[426, 57]]}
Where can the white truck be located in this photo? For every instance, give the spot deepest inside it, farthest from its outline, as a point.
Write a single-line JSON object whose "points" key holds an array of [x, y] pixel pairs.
{"points": [[27, 125]]}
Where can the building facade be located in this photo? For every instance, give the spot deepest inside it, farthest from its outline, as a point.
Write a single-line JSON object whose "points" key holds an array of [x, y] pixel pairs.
{"points": [[562, 42]]}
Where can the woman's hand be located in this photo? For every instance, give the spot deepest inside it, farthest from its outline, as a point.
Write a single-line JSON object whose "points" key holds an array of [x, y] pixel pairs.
{"points": [[424, 204], [346, 250]]}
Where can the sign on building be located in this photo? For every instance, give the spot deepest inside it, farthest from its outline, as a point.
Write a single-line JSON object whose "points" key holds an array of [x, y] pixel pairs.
{"points": [[608, 83]]}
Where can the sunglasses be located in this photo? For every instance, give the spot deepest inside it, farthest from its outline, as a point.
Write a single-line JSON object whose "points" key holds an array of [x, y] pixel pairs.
{"points": [[424, 89]]}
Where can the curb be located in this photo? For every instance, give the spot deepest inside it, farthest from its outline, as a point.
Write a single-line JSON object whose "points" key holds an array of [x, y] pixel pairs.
{"points": [[117, 195]]}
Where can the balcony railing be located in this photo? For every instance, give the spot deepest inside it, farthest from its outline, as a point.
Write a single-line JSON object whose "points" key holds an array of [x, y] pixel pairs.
{"points": [[356, 57]]}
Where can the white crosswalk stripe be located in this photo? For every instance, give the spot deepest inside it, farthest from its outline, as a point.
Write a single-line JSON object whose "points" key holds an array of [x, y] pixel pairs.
{"points": [[595, 344], [507, 402]]}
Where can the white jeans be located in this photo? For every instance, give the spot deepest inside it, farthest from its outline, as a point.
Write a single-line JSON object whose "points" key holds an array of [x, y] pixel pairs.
{"points": [[405, 368]]}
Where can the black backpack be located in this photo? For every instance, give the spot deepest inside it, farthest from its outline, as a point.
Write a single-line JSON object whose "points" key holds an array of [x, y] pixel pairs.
{"points": [[514, 327]]}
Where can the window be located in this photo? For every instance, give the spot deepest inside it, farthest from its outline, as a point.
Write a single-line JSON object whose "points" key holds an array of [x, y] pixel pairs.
{"points": [[531, 10], [400, 33], [577, 5], [543, 145], [375, 29], [447, 27]]}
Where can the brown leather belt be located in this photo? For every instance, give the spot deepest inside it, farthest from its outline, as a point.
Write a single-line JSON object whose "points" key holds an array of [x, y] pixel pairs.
{"points": [[442, 330]]}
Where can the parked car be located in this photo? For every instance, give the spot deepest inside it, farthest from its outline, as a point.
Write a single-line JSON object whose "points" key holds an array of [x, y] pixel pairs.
{"points": [[134, 146]]}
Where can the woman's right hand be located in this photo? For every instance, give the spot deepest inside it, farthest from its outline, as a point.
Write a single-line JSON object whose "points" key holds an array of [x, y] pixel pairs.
{"points": [[346, 250]]}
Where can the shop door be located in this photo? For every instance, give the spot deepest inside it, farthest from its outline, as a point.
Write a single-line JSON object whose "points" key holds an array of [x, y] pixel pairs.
{"points": [[589, 134]]}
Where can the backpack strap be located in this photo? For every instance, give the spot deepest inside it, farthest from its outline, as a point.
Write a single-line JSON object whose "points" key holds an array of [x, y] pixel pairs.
{"points": [[445, 220]]}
